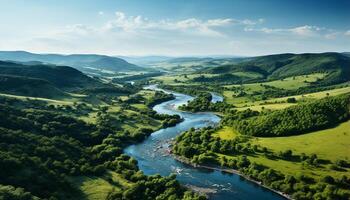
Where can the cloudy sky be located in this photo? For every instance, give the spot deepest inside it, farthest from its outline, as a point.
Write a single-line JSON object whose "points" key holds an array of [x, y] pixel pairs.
{"points": [[177, 28]]}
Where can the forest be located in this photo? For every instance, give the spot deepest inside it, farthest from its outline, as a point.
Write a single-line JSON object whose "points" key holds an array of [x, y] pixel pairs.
{"points": [[296, 119], [42, 147]]}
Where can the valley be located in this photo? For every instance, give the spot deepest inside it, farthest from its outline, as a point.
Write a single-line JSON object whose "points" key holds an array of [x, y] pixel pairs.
{"points": [[280, 121]]}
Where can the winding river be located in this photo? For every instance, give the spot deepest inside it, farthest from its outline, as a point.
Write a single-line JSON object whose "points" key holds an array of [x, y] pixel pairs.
{"points": [[153, 158]]}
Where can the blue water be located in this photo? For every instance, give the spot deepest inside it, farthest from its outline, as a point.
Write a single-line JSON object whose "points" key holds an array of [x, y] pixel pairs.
{"points": [[153, 158]]}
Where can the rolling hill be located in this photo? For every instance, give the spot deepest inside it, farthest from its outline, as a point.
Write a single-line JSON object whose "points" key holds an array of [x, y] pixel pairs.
{"points": [[192, 64], [62, 77], [280, 66], [23, 86], [78, 61]]}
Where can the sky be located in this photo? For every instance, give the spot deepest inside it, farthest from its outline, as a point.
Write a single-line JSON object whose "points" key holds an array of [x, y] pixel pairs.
{"points": [[175, 28]]}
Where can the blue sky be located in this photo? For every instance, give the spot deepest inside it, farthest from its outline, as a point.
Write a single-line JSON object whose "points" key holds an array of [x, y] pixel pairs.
{"points": [[177, 28]]}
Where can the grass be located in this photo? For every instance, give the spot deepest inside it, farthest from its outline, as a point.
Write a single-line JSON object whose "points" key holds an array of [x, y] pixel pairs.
{"points": [[296, 82], [51, 101], [293, 168], [180, 79], [248, 74], [96, 188], [330, 144], [244, 102], [139, 106], [226, 133], [91, 118]]}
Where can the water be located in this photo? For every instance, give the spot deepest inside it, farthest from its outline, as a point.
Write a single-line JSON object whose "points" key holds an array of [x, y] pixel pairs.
{"points": [[152, 156]]}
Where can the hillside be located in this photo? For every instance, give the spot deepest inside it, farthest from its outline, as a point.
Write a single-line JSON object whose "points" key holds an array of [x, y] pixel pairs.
{"points": [[191, 64], [32, 87], [62, 77], [285, 65], [79, 61]]}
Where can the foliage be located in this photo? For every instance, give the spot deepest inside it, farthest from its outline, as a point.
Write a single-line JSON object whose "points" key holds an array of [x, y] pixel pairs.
{"points": [[297, 119]]}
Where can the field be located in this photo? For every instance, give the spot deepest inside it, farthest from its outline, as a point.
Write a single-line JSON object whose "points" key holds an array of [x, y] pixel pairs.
{"points": [[226, 133], [296, 81], [96, 188], [278, 103], [330, 144], [180, 79]]}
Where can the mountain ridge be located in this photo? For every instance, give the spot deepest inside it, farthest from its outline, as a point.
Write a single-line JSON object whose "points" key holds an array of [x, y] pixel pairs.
{"points": [[78, 61]]}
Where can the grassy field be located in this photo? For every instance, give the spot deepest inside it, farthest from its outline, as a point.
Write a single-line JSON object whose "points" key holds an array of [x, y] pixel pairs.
{"points": [[296, 81], [248, 74], [96, 188], [330, 144], [278, 103], [226, 133], [49, 101], [180, 79], [275, 106]]}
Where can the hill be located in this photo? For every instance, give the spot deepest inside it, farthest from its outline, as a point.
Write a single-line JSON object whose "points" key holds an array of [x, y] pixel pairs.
{"points": [[32, 87], [79, 61], [62, 77], [192, 64], [280, 66], [144, 60]]}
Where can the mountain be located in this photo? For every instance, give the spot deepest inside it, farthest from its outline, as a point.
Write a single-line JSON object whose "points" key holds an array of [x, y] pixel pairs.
{"points": [[280, 66], [346, 54], [63, 77], [192, 64], [145, 60], [79, 61]]}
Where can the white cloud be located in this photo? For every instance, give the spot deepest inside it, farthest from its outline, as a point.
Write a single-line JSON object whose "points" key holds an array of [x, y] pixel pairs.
{"points": [[190, 25], [125, 34], [347, 33], [101, 13], [304, 31]]}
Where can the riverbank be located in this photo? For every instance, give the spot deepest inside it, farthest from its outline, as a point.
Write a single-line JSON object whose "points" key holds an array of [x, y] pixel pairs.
{"points": [[227, 170], [153, 157]]}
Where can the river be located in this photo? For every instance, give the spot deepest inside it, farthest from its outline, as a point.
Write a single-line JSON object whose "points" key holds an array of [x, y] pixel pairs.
{"points": [[153, 158]]}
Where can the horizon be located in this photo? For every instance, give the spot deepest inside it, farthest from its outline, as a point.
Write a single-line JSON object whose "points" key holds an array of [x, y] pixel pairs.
{"points": [[169, 56], [175, 29]]}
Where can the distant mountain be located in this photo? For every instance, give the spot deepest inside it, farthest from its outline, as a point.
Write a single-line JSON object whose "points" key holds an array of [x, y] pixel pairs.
{"points": [[346, 53], [145, 60], [286, 65], [63, 77], [192, 64], [79, 61]]}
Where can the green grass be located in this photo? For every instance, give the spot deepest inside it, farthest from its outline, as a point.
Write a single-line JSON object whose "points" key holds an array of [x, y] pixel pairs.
{"points": [[275, 106], [330, 144], [139, 106], [226, 133], [180, 79], [243, 103], [296, 82], [248, 74], [91, 118], [289, 83], [49, 101], [293, 168], [96, 188]]}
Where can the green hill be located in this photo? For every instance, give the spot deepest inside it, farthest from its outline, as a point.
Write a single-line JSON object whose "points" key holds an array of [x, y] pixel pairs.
{"points": [[285, 65], [62, 77], [79, 61], [33, 87]]}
